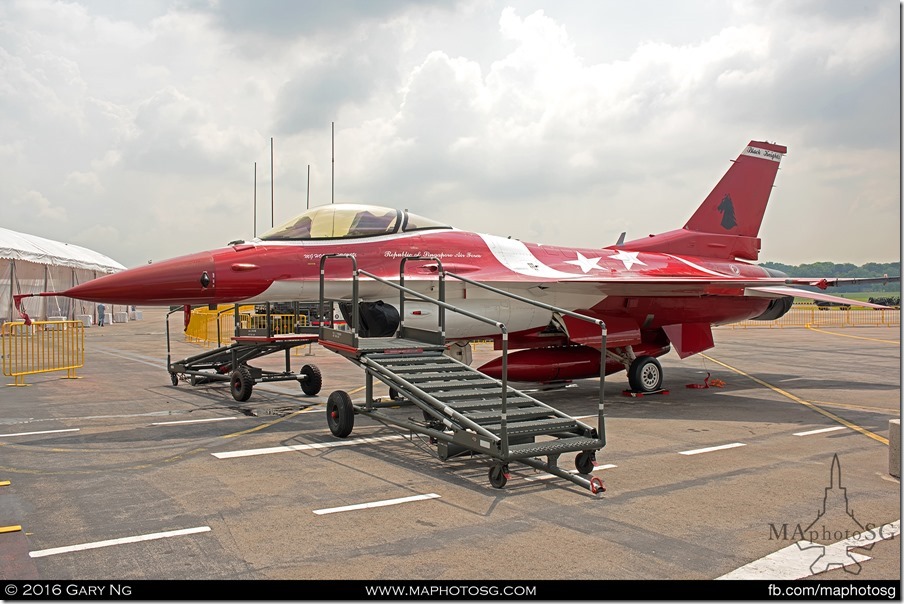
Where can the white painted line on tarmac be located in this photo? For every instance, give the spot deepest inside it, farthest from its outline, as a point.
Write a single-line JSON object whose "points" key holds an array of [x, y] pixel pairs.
{"points": [[287, 448], [709, 449], [376, 504], [43, 432], [821, 431], [84, 546], [793, 562], [194, 421], [805, 558]]}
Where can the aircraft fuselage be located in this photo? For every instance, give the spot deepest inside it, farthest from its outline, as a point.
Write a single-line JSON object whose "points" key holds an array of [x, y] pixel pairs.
{"points": [[263, 271]]}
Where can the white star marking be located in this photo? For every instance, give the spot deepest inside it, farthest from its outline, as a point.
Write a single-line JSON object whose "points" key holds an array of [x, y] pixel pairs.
{"points": [[586, 264], [629, 258]]}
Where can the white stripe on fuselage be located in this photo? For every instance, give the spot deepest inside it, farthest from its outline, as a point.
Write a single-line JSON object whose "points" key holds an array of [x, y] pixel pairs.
{"points": [[698, 267], [515, 256]]}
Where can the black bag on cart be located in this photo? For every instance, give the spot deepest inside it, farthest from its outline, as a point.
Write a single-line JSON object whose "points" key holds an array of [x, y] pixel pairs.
{"points": [[378, 319]]}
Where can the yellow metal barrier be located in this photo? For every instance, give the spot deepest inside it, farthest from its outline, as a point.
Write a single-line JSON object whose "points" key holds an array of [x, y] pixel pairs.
{"points": [[42, 347], [217, 327], [802, 315], [214, 327]]}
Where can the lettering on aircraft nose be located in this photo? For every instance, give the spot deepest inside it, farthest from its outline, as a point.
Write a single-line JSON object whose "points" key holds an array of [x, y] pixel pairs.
{"points": [[205, 280]]}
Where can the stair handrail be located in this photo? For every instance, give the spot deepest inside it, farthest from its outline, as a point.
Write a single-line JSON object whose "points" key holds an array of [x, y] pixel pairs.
{"points": [[442, 304], [569, 313], [441, 275], [354, 325]]}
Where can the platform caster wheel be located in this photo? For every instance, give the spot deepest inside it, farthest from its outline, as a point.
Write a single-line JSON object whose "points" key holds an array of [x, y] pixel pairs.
{"points": [[597, 486], [499, 475], [394, 394], [174, 378], [241, 384], [645, 374], [312, 382], [340, 413], [585, 462]]}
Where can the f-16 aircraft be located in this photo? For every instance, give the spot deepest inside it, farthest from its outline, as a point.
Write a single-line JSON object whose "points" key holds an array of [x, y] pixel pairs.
{"points": [[654, 294]]}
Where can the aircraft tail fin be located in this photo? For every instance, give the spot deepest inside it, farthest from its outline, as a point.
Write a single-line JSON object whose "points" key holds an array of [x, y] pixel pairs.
{"points": [[728, 221]]}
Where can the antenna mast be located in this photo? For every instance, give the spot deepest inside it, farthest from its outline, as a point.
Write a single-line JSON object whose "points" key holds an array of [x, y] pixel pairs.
{"points": [[309, 187], [333, 171], [271, 182], [255, 199]]}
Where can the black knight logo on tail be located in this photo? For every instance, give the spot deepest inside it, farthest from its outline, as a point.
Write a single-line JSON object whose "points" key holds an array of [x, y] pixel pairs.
{"points": [[728, 217]]}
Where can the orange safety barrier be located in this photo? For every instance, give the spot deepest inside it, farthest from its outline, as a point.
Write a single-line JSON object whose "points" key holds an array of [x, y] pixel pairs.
{"points": [[42, 347]]}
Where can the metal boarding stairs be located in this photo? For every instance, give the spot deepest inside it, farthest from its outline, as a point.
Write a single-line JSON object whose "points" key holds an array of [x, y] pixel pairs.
{"points": [[464, 411]]}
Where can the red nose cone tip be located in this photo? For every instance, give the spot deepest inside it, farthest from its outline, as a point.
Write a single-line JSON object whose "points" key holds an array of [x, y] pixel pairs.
{"points": [[184, 280]]}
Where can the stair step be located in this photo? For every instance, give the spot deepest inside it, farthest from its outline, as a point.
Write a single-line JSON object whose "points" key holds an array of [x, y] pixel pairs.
{"points": [[559, 445], [481, 393], [440, 375], [441, 385], [535, 427], [485, 417], [490, 403], [403, 358], [400, 346], [429, 371]]}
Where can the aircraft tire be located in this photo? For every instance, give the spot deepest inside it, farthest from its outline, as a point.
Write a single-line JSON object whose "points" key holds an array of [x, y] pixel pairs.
{"points": [[645, 374], [340, 413], [313, 380], [241, 384]]}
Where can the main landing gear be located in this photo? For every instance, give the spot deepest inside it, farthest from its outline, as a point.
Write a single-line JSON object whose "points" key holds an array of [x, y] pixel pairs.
{"points": [[644, 371], [645, 374]]}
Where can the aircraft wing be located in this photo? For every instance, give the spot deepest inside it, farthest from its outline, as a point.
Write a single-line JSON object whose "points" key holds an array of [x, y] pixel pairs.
{"points": [[824, 283], [642, 286], [772, 292]]}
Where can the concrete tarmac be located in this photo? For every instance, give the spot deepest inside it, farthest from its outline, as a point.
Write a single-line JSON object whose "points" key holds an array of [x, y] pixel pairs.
{"points": [[120, 474]]}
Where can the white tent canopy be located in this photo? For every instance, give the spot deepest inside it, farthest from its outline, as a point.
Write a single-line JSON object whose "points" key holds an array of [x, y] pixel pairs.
{"points": [[30, 264], [19, 246]]}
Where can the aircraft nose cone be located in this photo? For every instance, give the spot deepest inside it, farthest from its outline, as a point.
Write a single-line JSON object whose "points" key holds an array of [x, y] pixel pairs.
{"points": [[185, 280]]}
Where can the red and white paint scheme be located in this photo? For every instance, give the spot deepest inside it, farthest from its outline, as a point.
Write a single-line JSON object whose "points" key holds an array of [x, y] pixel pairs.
{"points": [[662, 291]]}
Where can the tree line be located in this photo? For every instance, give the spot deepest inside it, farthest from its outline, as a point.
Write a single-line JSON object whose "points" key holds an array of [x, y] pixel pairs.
{"points": [[830, 270]]}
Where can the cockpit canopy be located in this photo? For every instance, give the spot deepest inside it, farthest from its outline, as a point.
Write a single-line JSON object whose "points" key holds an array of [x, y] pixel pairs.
{"points": [[347, 220]]}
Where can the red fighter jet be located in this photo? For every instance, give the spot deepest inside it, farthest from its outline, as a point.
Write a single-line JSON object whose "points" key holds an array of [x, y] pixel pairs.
{"points": [[655, 293]]}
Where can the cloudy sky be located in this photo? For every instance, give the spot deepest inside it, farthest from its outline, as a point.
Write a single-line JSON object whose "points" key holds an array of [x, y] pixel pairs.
{"points": [[133, 128]]}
